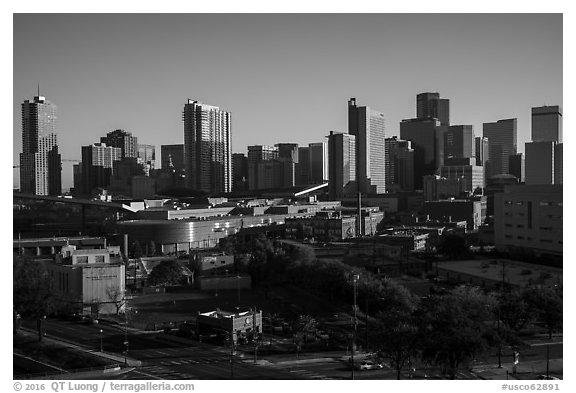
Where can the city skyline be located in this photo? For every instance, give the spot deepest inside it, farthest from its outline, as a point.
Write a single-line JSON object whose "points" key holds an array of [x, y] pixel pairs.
{"points": [[269, 65]]}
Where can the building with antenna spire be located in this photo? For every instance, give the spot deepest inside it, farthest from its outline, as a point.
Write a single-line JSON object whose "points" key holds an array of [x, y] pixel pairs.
{"points": [[40, 161]]}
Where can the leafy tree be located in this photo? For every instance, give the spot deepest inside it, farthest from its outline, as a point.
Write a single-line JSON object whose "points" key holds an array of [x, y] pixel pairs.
{"points": [[547, 303], [166, 273], [515, 313], [136, 250], [151, 248], [304, 327], [397, 337], [453, 327], [31, 286], [453, 246]]}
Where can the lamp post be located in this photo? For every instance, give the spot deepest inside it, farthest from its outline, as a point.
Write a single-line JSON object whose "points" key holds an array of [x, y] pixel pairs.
{"points": [[126, 337], [101, 341], [355, 279]]}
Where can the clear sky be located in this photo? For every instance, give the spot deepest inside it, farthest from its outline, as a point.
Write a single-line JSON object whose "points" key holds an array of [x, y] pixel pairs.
{"points": [[284, 77]]}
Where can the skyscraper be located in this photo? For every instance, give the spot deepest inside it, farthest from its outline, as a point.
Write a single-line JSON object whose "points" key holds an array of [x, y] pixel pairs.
{"points": [[481, 150], [544, 153], [97, 163], [303, 170], [207, 147], [318, 162], [256, 155], [516, 166], [40, 162], [399, 165], [425, 135], [172, 157], [368, 126], [123, 140], [341, 165], [501, 143], [239, 172], [430, 105], [547, 124], [458, 142]]}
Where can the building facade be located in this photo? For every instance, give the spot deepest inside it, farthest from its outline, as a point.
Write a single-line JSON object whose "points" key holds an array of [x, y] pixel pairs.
{"points": [[368, 126], [426, 136], [318, 159], [501, 144], [459, 142], [471, 175], [341, 165], [430, 105], [172, 157], [127, 143], [399, 163], [97, 164], [239, 172], [547, 124], [207, 147], [529, 217], [40, 161]]}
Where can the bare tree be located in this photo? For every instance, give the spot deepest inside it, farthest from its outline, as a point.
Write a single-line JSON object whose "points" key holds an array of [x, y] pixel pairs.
{"points": [[116, 296]]}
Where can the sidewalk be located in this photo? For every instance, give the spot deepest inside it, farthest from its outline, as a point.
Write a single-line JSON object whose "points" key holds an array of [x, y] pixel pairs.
{"points": [[524, 370]]}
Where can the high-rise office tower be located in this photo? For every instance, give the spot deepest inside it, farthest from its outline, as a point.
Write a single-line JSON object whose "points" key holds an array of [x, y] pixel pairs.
{"points": [[399, 165], [318, 158], [97, 164], [430, 105], [458, 142], [172, 157], [547, 124], [207, 147], [368, 126], [425, 135], [303, 168], [256, 155], [239, 172], [288, 157], [147, 157], [481, 150], [516, 165], [127, 143], [341, 165], [501, 143], [40, 162], [544, 153]]}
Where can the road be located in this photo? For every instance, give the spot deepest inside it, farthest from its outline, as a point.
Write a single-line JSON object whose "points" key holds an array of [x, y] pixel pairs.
{"points": [[164, 356]]}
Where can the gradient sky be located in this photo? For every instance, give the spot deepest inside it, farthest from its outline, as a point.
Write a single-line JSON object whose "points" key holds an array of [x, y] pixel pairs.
{"points": [[284, 77]]}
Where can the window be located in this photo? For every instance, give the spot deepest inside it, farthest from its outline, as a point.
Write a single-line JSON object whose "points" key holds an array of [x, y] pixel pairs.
{"points": [[99, 258], [82, 259]]}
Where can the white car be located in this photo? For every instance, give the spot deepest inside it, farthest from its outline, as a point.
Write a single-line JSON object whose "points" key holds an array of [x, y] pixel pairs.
{"points": [[370, 365]]}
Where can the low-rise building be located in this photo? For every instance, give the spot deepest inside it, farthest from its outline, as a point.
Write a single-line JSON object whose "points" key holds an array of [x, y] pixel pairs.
{"points": [[234, 325], [471, 210], [88, 281]]}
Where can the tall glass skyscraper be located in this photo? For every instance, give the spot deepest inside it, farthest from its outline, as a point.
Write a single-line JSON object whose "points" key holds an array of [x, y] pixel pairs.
{"points": [[368, 126], [40, 162], [207, 148], [501, 144]]}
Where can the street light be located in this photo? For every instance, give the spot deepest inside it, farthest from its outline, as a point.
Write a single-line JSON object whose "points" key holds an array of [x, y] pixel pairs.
{"points": [[355, 279], [101, 341]]}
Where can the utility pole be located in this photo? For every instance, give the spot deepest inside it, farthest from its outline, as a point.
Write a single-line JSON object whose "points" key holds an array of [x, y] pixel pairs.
{"points": [[355, 279]]}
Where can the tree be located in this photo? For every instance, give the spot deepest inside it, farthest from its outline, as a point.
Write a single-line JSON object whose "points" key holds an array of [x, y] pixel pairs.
{"points": [[166, 273], [151, 248], [31, 286], [515, 313], [453, 327], [547, 303], [136, 250], [116, 296], [397, 338]]}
